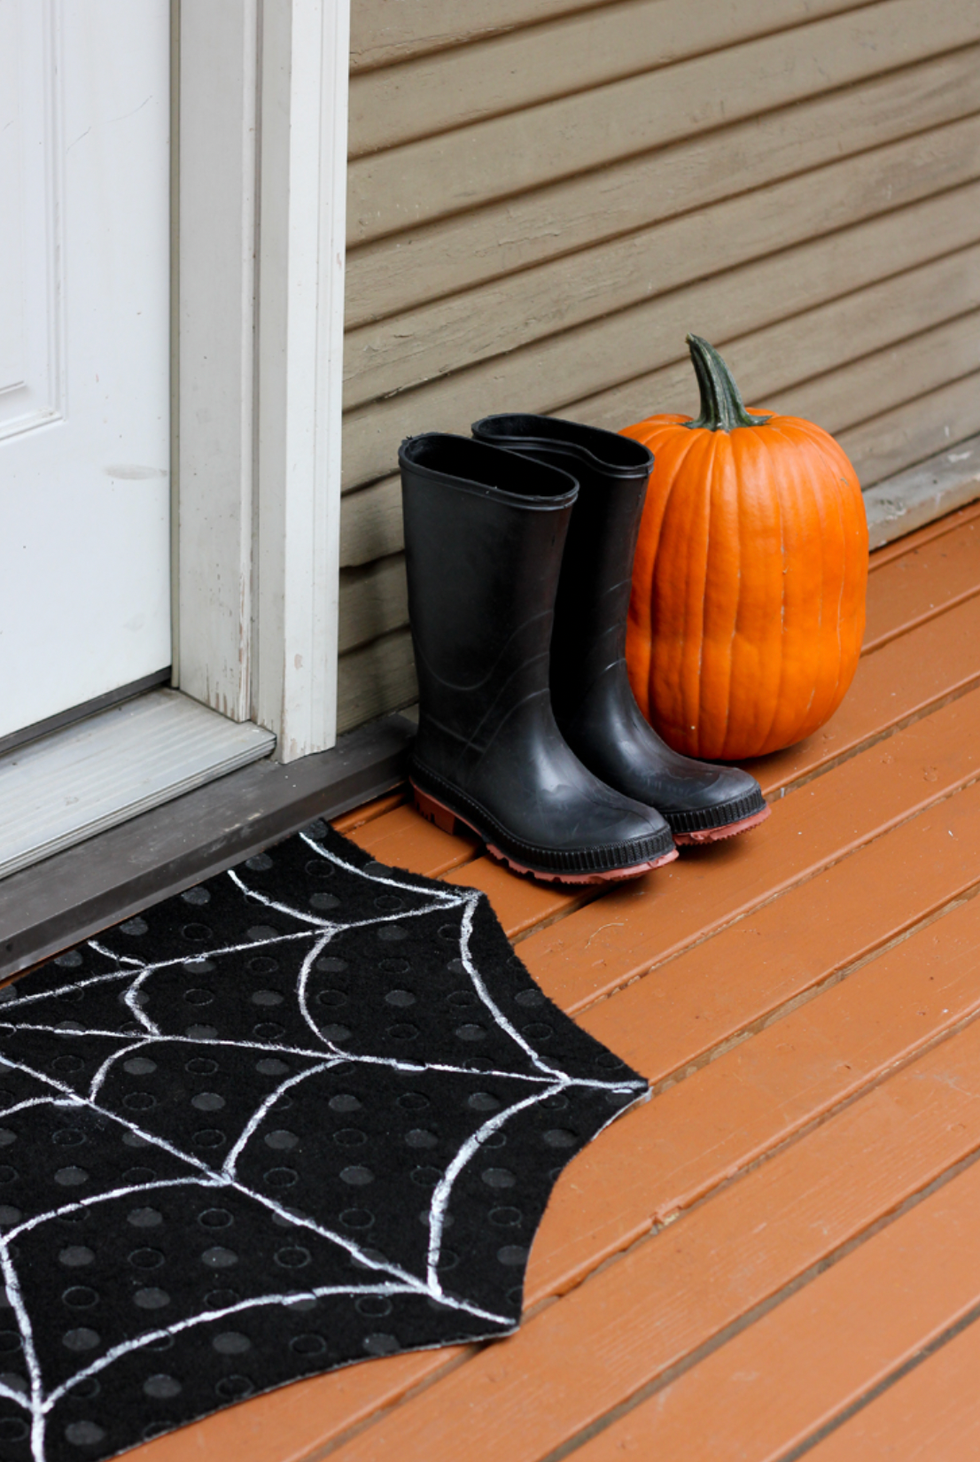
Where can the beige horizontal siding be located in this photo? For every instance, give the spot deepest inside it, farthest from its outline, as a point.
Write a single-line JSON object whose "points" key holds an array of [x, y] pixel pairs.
{"points": [[844, 399], [377, 678], [541, 216], [811, 343], [373, 600], [535, 146], [573, 54], [380, 676], [431, 341], [385, 31], [371, 523], [394, 275], [887, 409], [564, 368]]}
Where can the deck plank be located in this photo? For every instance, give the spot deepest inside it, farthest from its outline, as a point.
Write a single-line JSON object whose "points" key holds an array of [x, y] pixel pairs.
{"points": [[907, 677], [665, 1156], [292, 1423], [922, 583], [602, 947], [519, 903], [580, 1229], [931, 1413], [672, 1293], [734, 982], [909, 542], [775, 1383], [403, 839], [367, 812], [658, 1157]]}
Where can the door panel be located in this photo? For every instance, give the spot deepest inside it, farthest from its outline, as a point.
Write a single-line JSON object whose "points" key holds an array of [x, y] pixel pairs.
{"points": [[84, 351]]}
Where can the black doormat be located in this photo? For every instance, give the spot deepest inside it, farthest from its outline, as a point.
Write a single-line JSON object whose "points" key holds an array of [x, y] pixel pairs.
{"points": [[306, 1113]]}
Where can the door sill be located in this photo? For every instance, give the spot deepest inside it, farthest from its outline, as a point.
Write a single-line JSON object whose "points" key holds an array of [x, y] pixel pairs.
{"points": [[78, 892], [78, 781], [82, 712]]}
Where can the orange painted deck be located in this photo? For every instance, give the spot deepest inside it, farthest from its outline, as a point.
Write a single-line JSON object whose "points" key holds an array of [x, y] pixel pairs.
{"points": [[780, 1254]]}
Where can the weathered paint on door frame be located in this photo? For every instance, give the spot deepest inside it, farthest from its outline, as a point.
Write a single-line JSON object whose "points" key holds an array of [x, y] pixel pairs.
{"points": [[262, 110]]}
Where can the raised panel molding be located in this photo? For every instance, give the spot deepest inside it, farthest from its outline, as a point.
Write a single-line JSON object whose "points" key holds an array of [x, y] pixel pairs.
{"points": [[31, 147]]}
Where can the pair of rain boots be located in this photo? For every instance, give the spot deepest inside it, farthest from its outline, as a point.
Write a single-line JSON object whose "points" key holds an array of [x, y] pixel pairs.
{"points": [[519, 546]]}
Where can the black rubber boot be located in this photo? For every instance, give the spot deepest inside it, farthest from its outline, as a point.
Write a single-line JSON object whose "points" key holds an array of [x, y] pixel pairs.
{"points": [[484, 534], [593, 703]]}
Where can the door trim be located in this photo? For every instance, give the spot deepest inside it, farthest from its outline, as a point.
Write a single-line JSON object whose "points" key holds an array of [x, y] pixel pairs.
{"points": [[260, 206]]}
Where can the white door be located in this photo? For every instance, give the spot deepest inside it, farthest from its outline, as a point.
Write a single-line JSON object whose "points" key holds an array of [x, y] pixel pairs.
{"points": [[84, 351]]}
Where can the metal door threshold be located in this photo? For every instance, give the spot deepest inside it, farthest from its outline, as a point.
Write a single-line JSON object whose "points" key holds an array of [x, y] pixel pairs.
{"points": [[85, 778]]}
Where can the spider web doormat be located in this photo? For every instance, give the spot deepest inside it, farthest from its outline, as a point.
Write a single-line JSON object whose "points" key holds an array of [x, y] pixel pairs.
{"points": [[306, 1113]]}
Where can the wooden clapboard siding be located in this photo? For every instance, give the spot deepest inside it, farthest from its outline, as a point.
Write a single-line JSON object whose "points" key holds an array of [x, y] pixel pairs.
{"points": [[874, 405], [539, 144], [879, 382], [384, 31], [387, 277], [376, 678], [546, 199], [571, 54], [827, 334], [838, 399], [371, 523], [389, 659], [379, 675], [373, 600], [538, 302], [916, 430]]}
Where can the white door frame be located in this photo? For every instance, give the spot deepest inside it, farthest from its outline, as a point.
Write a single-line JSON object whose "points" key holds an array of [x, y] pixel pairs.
{"points": [[262, 89]]}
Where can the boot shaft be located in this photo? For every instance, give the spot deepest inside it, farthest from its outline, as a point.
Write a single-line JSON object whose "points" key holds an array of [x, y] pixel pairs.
{"points": [[484, 535], [596, 576]]}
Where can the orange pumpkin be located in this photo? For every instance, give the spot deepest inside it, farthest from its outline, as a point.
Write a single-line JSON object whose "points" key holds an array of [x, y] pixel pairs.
{"points": [[747, 611]]}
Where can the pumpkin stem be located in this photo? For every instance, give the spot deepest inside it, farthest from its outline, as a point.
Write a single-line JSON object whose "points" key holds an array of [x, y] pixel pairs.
{"points": [[721, 401]]}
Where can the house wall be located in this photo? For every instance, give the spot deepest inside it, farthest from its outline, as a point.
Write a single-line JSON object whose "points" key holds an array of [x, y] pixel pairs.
{"points": [[538, 214]]}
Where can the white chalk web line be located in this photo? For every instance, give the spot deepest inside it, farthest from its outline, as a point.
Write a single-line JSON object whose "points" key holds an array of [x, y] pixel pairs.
{"points": [[535, 1086]]}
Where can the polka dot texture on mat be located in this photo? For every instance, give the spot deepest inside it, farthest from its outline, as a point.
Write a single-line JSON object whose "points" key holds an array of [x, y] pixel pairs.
{"points": [[306, 1113]]}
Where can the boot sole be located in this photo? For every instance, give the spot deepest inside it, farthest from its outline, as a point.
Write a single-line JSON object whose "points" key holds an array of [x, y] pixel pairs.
{"points": [[716, 834], [447, 820]]}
